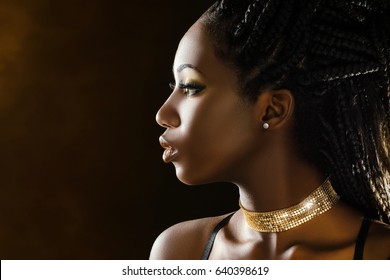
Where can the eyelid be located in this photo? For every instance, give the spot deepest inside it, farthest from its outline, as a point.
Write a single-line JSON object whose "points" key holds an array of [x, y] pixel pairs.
{"points": [[190, 88]]}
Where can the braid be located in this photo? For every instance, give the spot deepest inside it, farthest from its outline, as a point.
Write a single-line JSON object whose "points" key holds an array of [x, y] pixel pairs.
{"points": [[337, 73], [383, 55], [348, 136], [251, 43], [283, 16], [249, 17], [344, 45], [334, 56]]}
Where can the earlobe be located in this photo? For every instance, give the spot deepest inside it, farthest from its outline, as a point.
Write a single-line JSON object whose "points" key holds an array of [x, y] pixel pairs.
{"points": [[275, 108]]}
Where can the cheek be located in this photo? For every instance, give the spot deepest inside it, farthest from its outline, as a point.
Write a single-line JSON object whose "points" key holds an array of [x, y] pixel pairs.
{"points": [[215, 136]]}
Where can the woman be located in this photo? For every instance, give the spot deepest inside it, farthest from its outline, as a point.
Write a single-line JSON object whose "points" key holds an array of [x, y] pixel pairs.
{"points": [[290, 101]]}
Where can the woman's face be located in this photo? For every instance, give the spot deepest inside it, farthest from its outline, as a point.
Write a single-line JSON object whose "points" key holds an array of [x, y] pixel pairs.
{"points": [[211, 133]]}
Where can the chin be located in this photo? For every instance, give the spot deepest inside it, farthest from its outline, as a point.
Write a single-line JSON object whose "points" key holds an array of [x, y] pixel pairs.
{"points": [[190, 178]]}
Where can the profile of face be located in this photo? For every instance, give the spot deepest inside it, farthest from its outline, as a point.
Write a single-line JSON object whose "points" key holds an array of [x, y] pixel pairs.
{"points": [[211, 131]]}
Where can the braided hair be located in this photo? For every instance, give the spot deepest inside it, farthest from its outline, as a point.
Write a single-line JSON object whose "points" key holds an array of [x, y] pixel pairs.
{"points": [[334, 56]]}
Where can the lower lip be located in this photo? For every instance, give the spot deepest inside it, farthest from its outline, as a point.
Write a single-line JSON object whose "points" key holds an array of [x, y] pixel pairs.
{"points": [[169, 154]]}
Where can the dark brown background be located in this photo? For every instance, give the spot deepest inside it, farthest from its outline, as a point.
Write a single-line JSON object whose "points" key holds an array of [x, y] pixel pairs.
{"points": [[81, 175]]}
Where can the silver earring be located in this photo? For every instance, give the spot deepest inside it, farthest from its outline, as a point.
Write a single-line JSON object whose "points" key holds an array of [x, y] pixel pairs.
{"points": [[265, 125]]}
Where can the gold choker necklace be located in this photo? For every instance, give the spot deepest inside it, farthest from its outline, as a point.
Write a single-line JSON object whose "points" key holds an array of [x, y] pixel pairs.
{"points": [[318, 202]]}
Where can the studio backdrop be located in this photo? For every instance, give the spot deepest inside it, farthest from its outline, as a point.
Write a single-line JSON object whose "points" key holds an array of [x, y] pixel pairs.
{"points": [[81, 175]]}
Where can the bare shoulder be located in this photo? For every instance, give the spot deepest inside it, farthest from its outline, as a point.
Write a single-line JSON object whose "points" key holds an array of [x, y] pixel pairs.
{"points": [[184, 241], [378, 241]]}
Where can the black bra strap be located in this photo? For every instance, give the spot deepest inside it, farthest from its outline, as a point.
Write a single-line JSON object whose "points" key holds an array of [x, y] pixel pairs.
{"points": [[210, 241], [361, 239]]}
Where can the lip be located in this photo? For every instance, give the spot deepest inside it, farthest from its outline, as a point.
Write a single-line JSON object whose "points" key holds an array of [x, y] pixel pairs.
{"points": [[170, 152]]}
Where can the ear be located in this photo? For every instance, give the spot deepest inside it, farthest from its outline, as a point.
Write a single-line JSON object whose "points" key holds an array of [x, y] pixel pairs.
{"points": [[275, 107]]}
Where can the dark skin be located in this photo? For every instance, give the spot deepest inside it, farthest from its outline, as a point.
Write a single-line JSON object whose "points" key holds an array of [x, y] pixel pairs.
{"points": [[213, 134]]}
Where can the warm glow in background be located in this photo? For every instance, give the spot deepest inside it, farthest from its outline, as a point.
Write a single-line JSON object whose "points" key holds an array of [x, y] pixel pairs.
{"points": [[81, 175]]}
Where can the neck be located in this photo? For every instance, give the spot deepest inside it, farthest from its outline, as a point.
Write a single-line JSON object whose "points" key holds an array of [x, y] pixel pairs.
{"points": [[280, 183], [278, 193], [273, 177]]}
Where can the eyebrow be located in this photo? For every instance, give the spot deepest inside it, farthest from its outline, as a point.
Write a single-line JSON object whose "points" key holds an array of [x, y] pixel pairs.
{"points": [[184, 66]]}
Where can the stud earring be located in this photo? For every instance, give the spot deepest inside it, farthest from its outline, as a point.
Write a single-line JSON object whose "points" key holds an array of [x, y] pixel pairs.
{"points": [[265, 125]]}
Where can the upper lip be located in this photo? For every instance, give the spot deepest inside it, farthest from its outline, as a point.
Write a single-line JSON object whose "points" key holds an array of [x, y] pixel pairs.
{"points": [[164, 143]]}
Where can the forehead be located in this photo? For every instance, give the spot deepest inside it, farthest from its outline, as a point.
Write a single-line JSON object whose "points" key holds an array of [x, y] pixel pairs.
{"points": [[196, 48]]}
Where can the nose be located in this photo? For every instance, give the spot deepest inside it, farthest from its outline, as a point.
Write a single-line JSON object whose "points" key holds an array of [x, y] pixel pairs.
{"points": [[167, 115]]}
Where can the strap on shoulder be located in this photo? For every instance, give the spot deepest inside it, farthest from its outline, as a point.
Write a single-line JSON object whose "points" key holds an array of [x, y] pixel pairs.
{"points": [[211, 239], [361, 239]]}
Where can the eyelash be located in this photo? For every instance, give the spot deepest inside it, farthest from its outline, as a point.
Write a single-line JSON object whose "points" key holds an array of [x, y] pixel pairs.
{"points": [[189, 89]]}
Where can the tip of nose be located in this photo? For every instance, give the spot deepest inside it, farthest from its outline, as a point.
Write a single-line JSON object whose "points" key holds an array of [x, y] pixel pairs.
{"points": [[167, 121], [159, 119]]}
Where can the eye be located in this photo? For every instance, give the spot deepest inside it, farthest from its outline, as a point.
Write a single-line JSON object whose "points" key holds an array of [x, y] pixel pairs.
{"points": [[188, 88], [191, 89]]}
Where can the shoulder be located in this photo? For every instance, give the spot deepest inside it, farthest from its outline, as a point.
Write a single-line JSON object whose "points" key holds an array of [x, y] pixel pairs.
{"points": [[378, 241], [185, 240]]}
